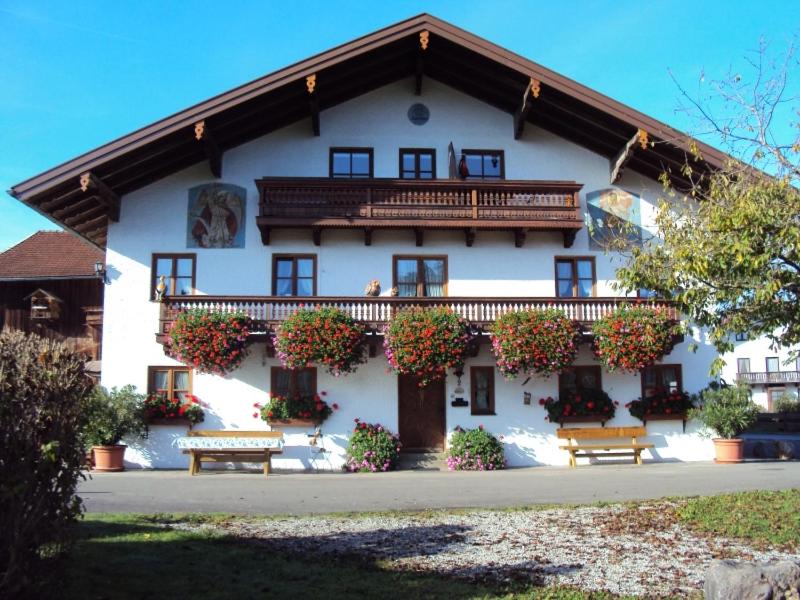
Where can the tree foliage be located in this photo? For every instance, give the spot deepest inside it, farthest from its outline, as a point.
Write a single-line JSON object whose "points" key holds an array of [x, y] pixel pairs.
{"points": [[727, 251]]}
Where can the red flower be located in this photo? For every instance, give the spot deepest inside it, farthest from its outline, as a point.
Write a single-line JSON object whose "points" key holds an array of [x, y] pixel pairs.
{"points": [[255, 415], [335, 406]]}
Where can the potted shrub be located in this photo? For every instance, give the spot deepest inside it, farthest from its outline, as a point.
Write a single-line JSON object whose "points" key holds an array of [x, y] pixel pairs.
{"points": [[425, 342], [209, 341], [633, 337], [726, 411], [586, 405], [327, 336], [113, 415], [372, 448], [296, 410], [475, 450], [160, 410], [541, 341]]}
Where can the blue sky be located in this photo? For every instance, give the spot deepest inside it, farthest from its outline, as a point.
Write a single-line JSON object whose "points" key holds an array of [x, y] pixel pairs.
{"points": [[74, 75]]}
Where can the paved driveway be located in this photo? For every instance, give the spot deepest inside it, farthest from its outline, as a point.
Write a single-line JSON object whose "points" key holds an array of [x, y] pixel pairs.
{"points": [[301, 493]]}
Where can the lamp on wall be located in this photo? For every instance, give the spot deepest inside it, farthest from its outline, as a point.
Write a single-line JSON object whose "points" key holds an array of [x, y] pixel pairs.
{"points": [[100, 271], [458, 373]]}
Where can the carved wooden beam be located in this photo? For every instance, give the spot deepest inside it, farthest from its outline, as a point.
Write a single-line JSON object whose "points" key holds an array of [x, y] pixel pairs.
{"points": [[264, 235], [569, 237], [519, 237], [424, 40], [620, 160], [418, 236], [313, 103], [368, 236], [532, 91], [90, 213], [106, 195], [469, 236], [203, 134], [316, 235], [92, 225]]}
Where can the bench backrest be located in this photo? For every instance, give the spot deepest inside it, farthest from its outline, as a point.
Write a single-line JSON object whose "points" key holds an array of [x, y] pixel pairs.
{"points": [[235, 433], [594, 433]]}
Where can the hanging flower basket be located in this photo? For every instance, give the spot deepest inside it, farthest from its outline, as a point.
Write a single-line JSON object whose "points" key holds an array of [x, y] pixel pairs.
{"points": [[325, 336], [210, 342], [425, 342], [296, 410], [542, 341], [633, 337], [584, 406]]}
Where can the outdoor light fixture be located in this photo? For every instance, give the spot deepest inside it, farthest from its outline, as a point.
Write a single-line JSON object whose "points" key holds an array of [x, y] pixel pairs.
{"points": [[100, 272]]}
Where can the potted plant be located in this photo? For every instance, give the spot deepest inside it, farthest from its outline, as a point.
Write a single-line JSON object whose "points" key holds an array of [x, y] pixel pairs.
{"points": [[296, 410], [160, 410], [113, 415], [726, 411]]}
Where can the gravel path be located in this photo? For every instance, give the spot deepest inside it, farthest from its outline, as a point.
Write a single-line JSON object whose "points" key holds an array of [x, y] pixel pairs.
{"points": [[620, 549]]}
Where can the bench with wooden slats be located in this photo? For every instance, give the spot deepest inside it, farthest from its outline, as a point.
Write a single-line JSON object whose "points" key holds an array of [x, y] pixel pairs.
{"points": [[577, 446], [231, 446]]}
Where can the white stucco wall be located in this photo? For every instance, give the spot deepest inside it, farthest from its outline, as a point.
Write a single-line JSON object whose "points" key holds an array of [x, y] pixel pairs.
{"points": [[153, 220]]}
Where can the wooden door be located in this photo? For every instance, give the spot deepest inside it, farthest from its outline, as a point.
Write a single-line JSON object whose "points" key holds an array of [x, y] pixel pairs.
{"points": [[421, 414]]}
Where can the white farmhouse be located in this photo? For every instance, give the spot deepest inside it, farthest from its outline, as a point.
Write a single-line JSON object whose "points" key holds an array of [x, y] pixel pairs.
{"points": [[420, 156]]}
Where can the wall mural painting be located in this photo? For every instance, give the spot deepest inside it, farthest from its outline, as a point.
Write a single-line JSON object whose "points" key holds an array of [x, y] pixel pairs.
{"points": [[216, 216], [613, 216]]}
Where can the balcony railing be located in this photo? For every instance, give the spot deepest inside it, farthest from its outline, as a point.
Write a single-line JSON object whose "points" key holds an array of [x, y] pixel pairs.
{"points": [[770, 377], [268, 311], [368, 204]]}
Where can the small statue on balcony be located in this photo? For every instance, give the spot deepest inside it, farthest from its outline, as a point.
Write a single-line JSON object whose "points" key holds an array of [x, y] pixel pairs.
{"points": [[394, 292], [161, 287], [373, 288]]}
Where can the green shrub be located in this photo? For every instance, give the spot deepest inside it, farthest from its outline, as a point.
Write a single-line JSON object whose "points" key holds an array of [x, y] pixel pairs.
{"points": [[787, 402], [115, 414], [43, 396], [725, 410], [372, 448], [475, 450]]}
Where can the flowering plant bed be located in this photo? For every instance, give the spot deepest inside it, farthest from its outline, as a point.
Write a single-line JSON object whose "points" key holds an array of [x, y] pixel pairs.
{"points": [[475, 450], [542, 341], [160, 410], [661, 407], [425, 342], [326, 336], [584, 406], [372, 448], [633, 337], [298, 410], [211, 342]]}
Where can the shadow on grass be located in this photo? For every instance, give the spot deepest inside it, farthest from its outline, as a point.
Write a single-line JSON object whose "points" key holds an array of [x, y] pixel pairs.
{"points": [[127, 557]]}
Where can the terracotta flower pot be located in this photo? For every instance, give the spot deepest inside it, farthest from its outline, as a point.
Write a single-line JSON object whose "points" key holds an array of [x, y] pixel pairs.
{"points": [[728, 451], [109, 458]]}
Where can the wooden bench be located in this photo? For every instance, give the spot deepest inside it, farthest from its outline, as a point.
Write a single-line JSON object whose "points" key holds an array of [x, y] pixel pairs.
{"points": [[615, 447], [273, 444]]}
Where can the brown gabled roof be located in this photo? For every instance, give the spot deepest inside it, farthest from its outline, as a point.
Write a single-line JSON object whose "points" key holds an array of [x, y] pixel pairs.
{"points": [[50, 254], [453, 56]]}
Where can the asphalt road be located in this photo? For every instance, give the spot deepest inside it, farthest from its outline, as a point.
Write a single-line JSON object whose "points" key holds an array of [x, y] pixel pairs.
{"points": [[305, 493]]}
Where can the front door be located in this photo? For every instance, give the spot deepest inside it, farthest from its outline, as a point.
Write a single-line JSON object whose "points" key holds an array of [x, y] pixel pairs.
{"points": [[421, 414]]}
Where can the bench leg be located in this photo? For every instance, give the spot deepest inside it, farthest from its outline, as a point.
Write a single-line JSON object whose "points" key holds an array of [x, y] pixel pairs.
{"points": [[572, 460], [192, 460], [637, 457], [267, 462]]}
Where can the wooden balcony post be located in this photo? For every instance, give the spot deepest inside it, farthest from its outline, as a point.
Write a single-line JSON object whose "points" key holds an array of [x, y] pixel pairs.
{"points": [[474, 194], [369, 203]]}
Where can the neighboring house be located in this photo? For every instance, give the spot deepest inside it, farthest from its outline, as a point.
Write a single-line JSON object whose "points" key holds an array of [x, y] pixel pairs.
{"points": [[769, 371], [335, 171], [49, 285]]}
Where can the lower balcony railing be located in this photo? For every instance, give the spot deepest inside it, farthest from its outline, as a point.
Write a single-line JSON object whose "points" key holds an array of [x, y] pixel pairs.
{"points": [[268, 311], [770, 377]]}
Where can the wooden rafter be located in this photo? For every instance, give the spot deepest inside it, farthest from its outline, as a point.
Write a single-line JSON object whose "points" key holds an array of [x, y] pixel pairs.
{"points": [[203, 134], [532, 91], [419, 69], [621, 159], [92, 225], [313, 103], [90, 181]]}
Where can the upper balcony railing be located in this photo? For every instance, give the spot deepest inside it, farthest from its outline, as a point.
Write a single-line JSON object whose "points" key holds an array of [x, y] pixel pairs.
{"points": [[368, 204], [770, 377], [268, 311]]}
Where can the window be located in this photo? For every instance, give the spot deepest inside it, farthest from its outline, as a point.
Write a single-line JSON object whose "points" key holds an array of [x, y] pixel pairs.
{"points": [[482, 389], [170, 382], [575, 378], [661, 379], [741, 337], [297, 382], [483, 164], [351, 163], [420, 275], [417, 163], [575, 277], [294, 275], [178, 271], [645, 293], [773, 366], [742, 365]]}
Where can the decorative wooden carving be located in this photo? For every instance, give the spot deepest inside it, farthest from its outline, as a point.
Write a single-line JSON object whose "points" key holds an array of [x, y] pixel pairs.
{"points": [[316, 235], [367, 236], [311, 83], [531, 92], [621, 159], [264, 235], [469, 236], [424, 38], [569, 237], [313, 103], [199, 127], [536, 87], [105, 194], [519, 238], [210, 147]]}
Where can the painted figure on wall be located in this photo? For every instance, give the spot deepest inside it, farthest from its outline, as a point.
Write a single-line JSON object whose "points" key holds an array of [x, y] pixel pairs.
{"points": [[613, 215], [216, 216]]}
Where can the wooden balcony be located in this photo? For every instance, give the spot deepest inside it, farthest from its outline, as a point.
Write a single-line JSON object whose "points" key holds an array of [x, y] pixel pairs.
{"points": [[770, 377], [268, 311], [418, 205]]}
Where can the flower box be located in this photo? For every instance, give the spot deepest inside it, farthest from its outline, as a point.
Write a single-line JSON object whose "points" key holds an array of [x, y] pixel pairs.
{"points": [[173, 421], [291, 423], [666, 417], [601, 418]]}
